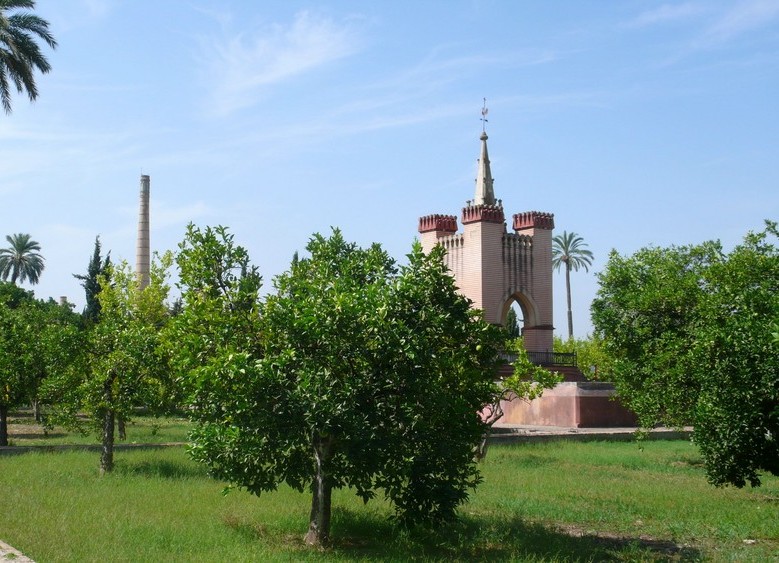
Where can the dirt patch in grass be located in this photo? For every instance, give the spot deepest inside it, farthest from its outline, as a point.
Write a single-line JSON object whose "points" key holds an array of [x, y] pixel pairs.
{"points": [[30, 431], [668, 550]]}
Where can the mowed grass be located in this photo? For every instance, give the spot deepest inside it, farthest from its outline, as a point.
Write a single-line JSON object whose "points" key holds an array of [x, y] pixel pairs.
{"points": [[559, 501], [140, 430]]}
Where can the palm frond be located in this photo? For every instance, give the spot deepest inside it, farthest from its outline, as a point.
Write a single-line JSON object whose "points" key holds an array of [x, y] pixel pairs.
{"points": [[20, 55]]}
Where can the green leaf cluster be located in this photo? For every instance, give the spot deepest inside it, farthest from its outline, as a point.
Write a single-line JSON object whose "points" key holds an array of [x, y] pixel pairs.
{"points": [[125, 345], [357, 372], [38, 341], [591, 357], [124, 362], [689, 334]]}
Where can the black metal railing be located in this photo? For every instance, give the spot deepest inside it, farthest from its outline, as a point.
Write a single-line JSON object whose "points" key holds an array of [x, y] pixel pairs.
{"points": [[553, 358], [546, 358]]}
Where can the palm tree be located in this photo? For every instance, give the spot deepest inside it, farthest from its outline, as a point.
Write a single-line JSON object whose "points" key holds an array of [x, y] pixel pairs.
{"points": [[568, 249], [21, 260], [20, 55]]}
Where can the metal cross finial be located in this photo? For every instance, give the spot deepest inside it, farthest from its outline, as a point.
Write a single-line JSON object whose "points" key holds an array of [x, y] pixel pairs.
{"points": [[484, 111]]}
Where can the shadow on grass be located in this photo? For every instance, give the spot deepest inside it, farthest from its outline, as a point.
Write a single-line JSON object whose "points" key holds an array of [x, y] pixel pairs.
{"points": [[36, 435], [160, 469], [490, 538]]}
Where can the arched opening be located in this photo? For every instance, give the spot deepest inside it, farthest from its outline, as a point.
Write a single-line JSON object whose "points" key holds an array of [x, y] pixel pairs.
{"points": [[515, 320], [517, 314]]}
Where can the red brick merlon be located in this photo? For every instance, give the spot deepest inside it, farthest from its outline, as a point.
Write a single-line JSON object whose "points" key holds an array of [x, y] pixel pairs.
{"points": [[533, 220], [438, 223], [483, 212]]}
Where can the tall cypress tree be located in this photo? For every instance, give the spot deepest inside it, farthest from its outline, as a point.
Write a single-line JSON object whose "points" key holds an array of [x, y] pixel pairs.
{"points": [[90, 281]]}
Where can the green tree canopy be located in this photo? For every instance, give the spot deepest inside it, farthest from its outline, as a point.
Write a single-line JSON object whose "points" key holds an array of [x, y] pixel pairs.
{"points": [[16, 379], [688, 330], [20, 55], [125, 364], [356, 373], [21, 260], [37, 341]]}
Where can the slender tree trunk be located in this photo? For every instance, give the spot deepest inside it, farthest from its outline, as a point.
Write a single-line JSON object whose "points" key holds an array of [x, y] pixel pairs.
{"points": [[120, 422], [107, 451], [322, 488], [36, 409], [3, 425], [568, 294]]}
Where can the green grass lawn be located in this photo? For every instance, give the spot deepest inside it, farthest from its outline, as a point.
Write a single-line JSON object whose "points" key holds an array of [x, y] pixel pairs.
{"points": [[140, 430], [558, 501]]}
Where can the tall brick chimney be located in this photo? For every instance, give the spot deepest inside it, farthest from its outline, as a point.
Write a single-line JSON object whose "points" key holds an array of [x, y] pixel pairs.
{"points": [[142, 252]]}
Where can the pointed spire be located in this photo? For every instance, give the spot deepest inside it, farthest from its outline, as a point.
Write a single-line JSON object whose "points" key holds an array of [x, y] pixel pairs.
{"points": [[484, 192]]}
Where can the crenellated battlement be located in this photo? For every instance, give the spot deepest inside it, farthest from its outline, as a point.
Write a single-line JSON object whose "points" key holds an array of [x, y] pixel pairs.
{"points": [[533, 220], [483, 212], [438, 222]]}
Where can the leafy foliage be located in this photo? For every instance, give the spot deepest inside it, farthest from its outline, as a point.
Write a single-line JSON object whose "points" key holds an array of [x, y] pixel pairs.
{"points": [[591, 358], [20, 55], [357, 373], [527, 382], [126, 365], [689, 333], [37, 340]]}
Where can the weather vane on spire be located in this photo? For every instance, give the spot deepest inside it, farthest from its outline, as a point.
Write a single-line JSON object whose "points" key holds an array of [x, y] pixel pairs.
{"points": [[484, 111]]}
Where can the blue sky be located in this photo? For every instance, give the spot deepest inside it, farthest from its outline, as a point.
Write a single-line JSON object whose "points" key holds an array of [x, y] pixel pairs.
{"points": [[635, 122]]}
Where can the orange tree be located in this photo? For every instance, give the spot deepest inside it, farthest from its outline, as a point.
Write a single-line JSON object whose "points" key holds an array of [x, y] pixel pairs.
{"points": [[689, 334], [356, 372]]}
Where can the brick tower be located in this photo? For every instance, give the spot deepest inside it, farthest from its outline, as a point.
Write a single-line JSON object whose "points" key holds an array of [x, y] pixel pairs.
{"points": [[495, 268]]}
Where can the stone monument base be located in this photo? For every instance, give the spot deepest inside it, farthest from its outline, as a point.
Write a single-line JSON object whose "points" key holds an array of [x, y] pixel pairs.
{"points": [[573, 404]]}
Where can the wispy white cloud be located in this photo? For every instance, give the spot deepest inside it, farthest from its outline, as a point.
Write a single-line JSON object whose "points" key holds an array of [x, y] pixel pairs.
{"points": [[436, 69], [667, 13], [96, 9], [66, 17], [713, 24], [413, 95], [243, 67], [741, 18]]}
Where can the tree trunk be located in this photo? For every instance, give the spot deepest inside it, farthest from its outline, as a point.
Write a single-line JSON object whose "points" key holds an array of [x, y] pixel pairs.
{"points": [[568, 293], [36, 409], [3, 425], [122, 428], [107, 451], [322, 488], [492, 414]]}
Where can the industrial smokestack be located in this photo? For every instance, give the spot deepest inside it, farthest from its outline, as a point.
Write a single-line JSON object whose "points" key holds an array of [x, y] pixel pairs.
{"points": [[142, 253]]}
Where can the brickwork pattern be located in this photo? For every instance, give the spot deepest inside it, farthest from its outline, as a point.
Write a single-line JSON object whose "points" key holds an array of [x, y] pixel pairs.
{"points": [[493, 267]]}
